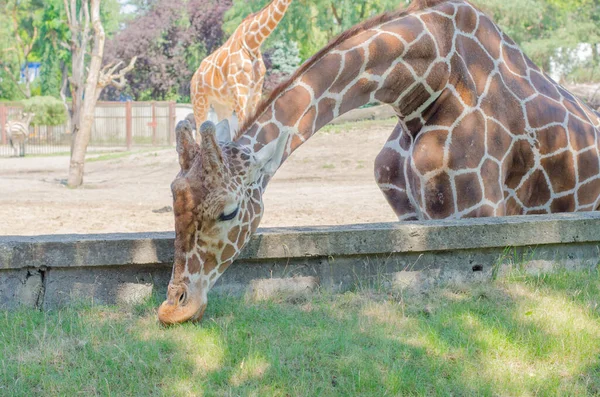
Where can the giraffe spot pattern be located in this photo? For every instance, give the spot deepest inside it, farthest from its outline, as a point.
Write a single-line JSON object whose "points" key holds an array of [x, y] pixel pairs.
{"points": [[481, 131]]}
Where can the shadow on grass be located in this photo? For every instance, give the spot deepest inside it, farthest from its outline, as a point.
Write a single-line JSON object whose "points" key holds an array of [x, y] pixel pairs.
{"points": [[494, 339]]}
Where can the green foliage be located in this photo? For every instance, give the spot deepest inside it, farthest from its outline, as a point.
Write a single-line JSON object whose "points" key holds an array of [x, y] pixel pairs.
{"points": [[541, 27], [310, 23], [285, 57], [43, 25], [50, 75], [48, 110], [8, 89], [53, 32], [110, 14]]}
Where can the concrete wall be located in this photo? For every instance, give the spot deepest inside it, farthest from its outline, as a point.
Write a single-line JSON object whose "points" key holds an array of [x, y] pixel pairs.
{"points": [[48, 271]]}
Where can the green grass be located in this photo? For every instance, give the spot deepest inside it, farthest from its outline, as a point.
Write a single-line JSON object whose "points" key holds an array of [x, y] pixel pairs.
{"points": [[56, 154], [520, 335], [361, 124]]}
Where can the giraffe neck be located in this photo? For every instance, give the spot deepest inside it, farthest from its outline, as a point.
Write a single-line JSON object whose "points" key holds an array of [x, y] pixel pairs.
{"points": [[393, 62], [264, 22]]}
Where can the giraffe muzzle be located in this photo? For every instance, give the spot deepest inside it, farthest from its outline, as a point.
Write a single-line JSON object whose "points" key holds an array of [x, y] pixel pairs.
{"points": [[181, 306]]}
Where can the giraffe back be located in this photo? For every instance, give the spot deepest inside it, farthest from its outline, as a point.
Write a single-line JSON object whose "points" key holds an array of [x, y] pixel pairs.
{"points": [[499, 137]]}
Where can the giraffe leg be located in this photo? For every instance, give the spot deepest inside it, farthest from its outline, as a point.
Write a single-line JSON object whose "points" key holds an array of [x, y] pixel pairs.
{"points": [[201, 112], [390, 175], [240, 107], [200, 106], [259, 81], [240, 89], [254, 101]]}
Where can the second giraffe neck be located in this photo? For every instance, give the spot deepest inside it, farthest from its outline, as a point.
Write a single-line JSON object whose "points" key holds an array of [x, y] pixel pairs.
{"points": [[264, 22]]}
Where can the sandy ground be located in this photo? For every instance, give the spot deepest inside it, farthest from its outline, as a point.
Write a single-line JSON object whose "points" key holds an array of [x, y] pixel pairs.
{"points": [[328, 181]]}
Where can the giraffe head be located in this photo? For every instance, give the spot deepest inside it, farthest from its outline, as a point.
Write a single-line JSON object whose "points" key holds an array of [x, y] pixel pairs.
{"points": [[217, 201]]}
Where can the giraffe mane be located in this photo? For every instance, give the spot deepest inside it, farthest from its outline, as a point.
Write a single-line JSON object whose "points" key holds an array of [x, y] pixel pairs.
{"points": [[415, 5]]}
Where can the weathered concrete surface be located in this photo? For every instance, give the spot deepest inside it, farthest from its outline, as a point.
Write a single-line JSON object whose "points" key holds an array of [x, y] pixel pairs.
{"points": [[48, 271]]}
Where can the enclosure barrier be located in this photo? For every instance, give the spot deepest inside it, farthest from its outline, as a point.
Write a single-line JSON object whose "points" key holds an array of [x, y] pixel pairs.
{"points": [[49, 271], [117, 126]]}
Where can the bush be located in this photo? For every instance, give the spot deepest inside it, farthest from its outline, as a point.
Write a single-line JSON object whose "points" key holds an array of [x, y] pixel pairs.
{"points": [[48, 110], [281, 62]]}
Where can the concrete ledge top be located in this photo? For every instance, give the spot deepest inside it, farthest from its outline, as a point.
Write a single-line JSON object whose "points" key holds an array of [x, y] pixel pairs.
{"points": [[18, 252]]}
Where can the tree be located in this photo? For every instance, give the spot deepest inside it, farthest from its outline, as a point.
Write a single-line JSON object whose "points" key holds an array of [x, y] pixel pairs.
{"points": [[23, 17], [206, 22], [170, 39], [85, 25], [311, 23], [52, 48], [548, 30], [281, 61], [142, 6], [158, 39]]}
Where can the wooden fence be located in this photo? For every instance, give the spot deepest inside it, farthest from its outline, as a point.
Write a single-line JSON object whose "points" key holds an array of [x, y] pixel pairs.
{"points": [[117, 126]]}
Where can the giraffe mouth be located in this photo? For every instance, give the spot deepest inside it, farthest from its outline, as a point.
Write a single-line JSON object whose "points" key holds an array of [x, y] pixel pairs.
{"points": [[181, 307], [169, 314]]}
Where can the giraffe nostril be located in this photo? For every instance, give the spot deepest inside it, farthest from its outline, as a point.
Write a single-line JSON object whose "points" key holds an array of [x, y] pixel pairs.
{"points": [[182, 298]]}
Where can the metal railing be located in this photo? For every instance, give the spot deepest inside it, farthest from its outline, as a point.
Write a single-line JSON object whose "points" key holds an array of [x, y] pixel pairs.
{"points": [[117, 125]]}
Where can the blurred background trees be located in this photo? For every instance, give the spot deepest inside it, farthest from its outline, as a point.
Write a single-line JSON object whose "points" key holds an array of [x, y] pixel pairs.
{"points": [[170, 39]]}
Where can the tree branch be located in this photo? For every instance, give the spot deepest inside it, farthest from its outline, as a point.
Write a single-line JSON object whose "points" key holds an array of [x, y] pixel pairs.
{"points": [[10, 74], [335, 14], [108, 76], [68, 12], [363, 10]]}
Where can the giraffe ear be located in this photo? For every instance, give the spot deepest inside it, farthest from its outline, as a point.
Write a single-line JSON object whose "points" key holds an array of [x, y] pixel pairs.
{"points": [[192, 120], [270, 157], [223, 131], [186, 145]]}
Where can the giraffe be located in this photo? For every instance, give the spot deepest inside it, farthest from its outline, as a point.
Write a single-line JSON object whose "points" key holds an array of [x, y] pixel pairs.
{"points": [[481, 132], [231, 78]]}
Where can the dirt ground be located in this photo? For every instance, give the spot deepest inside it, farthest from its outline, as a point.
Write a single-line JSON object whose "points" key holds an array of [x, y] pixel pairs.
{"points": [[328, 181]]}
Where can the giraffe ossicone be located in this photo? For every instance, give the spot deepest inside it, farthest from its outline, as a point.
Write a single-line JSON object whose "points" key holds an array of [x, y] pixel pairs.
{"points": [[481, 132]]}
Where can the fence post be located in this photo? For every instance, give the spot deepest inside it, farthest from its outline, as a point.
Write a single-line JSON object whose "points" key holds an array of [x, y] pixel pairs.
{"points": [[3, 114], [128, 125], [154, 137], [172, 121]]}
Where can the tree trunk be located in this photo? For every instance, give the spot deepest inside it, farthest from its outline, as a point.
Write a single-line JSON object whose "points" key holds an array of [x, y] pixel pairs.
{"points": [[81, 138], [86, 97], [63, 96], [79, 25]]}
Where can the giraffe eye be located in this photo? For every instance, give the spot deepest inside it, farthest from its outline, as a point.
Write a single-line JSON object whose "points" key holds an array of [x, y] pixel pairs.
{"points": [[227, 217]]}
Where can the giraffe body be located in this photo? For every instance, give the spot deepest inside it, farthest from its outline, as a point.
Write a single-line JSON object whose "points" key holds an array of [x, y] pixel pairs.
{"points": [[481, 132], [231, 78]]}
